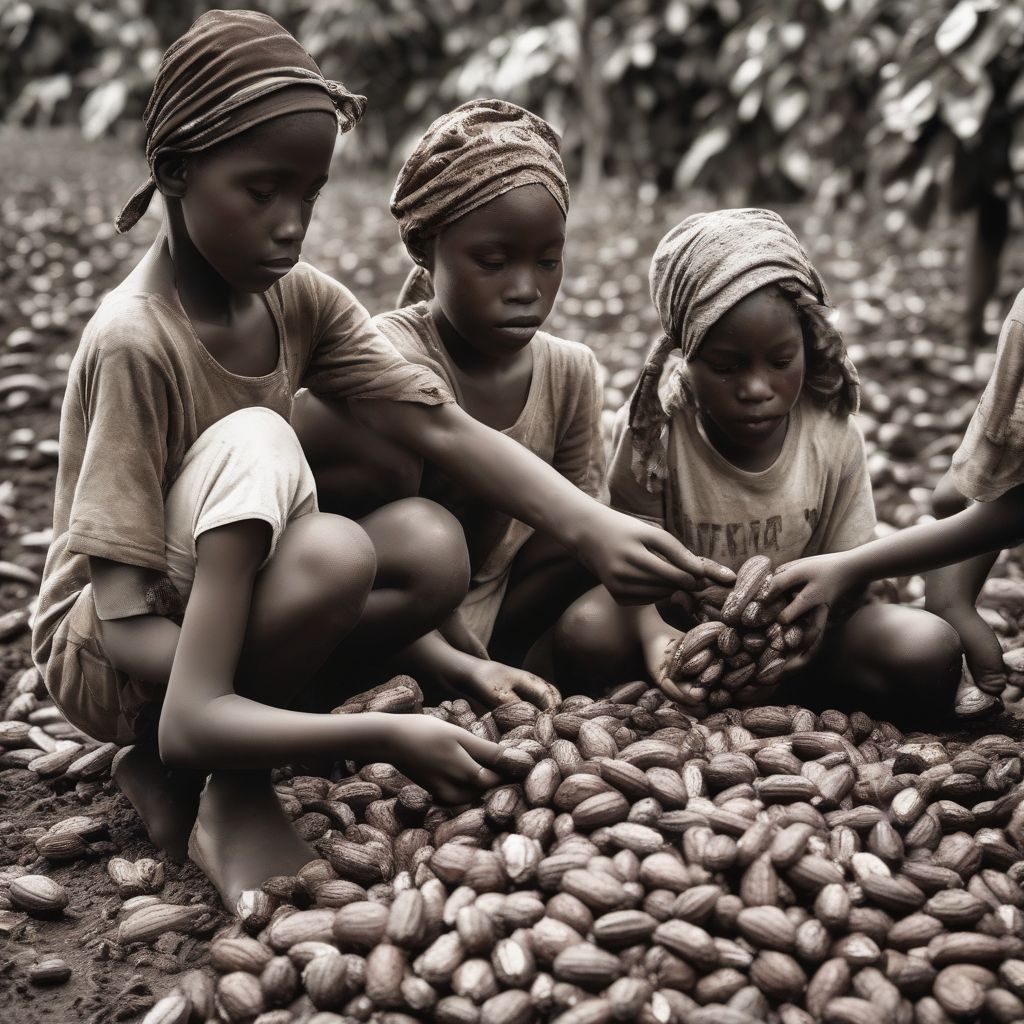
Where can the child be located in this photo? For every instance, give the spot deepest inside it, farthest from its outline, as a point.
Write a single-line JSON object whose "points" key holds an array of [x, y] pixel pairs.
{"points": [[189, 557], [481, 205], [988, 469], [756, 453]]}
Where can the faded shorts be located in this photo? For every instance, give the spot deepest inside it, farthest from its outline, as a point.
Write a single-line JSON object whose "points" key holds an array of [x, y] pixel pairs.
{"points": [[248, 465]]}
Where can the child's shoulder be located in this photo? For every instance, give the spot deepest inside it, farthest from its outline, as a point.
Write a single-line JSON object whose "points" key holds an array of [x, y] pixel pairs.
{"points": [[128, 320], [828, 433], [571, 356], [306, 285], [1017, 309]]}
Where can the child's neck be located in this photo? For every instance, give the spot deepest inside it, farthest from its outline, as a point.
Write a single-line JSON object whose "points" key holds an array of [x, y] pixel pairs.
{"points": [[204, 295], [749, 458], [494, 388]]}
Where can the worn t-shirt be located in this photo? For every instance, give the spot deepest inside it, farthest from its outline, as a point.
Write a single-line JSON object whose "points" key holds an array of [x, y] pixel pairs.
{"points": [[816, 496], [141, 389], [990, 459], [560, 423]]}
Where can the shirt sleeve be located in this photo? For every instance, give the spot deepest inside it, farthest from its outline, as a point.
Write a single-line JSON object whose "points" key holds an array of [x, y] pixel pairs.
{"points": [[851, 519], [117, 511], [580, 455], [625, 492], [350, 358], [990, 459]]}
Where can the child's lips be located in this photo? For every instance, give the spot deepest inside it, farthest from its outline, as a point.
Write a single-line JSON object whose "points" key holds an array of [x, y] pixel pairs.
{"points": [[521, 323], [759, 424]]}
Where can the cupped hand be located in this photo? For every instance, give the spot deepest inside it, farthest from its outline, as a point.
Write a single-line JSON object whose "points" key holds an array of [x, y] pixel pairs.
{"points": [[495, 683], [640, 563], [453, 764], [819, 581]]}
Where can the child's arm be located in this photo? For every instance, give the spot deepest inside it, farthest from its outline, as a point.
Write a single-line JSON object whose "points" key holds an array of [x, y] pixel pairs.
{"points": [[822, 579], [951, 593], [637, 562], [205, 724]]}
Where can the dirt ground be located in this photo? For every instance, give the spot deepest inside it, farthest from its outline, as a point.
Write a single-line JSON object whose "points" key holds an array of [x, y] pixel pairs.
{"points": [[899, 300]]}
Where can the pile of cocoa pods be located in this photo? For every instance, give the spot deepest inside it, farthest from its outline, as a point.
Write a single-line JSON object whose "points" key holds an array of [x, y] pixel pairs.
{"points": [[766, 864], [737, 653]]}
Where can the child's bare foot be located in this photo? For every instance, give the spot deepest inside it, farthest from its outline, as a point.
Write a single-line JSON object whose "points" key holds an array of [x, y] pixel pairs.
{"points": [[492, 683], [166, 801], [242, 836]]}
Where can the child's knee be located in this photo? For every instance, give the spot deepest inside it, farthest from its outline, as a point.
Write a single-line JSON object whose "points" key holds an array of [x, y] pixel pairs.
{"points": [[436, 558], [336, 559], [582, 635], [921, 652]]}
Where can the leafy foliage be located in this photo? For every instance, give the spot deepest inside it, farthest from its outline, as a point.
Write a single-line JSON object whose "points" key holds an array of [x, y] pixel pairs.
{"points": [[755, 101]]}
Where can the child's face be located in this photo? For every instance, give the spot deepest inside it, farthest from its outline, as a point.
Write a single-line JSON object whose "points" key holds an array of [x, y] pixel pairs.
{"points": [[248, 202], [749, 370], [497, 270]]}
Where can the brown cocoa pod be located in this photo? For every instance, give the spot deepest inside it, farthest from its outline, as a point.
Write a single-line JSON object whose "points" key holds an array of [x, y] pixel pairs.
{"points": [[778, 975], [767, 927], [621, 928], [549, 937], [688, 941], [600, 810], [238, 997], [406, 923], [830, 981], [279, 981], [385, 967], [360, 925], [239, 954], [149, 923], [958, 993], [586, 965]]}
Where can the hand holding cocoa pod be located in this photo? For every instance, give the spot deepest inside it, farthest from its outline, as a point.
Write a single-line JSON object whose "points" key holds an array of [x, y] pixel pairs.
{"points": [[739, 650]]}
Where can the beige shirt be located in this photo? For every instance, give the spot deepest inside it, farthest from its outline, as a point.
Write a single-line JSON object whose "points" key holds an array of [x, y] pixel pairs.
{"points": [[141, 389], [816, 496], [990, 459], [560, 423]]}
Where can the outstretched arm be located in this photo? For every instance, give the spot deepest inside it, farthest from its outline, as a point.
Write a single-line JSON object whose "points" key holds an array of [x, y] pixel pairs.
{"points": [[951, 592], [637, 562], [822, 579]]}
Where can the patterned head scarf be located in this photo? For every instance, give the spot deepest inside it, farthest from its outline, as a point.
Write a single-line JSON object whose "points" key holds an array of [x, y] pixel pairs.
{"points": [[701, 269], [229, 72], [466, 158]]}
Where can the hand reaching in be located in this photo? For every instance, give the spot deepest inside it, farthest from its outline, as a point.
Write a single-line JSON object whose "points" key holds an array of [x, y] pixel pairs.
{"points": [[640, 563], [453, 764], [819, 581], [494, 683]]}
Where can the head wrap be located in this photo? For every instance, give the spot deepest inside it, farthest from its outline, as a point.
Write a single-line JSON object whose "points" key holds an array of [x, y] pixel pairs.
{"points": [[466, 158], [229, 72], [701, 269]]}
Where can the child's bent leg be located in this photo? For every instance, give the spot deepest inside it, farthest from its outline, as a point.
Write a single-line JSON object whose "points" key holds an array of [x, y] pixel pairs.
{"points": [[595, 645], [356, 469], [422, 576], [898, 663], [249, 466], [543, 582]]}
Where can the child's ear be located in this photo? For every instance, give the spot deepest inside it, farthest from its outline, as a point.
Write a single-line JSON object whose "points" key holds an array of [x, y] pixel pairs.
{"points": [[422, 251], [171, 173]]}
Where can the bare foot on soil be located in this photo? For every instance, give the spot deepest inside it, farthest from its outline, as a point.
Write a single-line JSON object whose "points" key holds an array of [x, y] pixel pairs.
{"points": [[242, 836], [166, 801]]}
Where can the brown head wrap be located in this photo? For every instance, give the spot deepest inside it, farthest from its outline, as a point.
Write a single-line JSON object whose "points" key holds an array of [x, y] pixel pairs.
{"points": [[466, 158], [230, 71], [701, 269]]}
